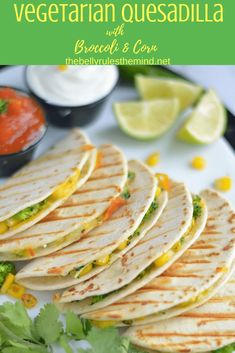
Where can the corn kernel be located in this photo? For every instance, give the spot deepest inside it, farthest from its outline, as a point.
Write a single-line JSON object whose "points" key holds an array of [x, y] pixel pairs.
{"points": [[158, 192], [104, 324], [123, 245], [177, 247], [62, 67], [12, 222], [86, 269], [198, 163], [3, 227], [163, 181], [102, 261], [29, 300], [223, 184], [153, 159], [162, 260], [16, 291], [7, 283], [222, 269]]}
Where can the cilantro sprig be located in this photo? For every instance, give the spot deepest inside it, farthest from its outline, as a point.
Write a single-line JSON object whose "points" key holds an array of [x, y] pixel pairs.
{"points": [[20, 334]]}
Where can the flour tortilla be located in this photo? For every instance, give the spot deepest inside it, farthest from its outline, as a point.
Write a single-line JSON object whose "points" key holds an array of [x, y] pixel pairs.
{"points": [[199, 272], [123, 274], [40, 178], [206, 328], [97, 243], [78, 214]]}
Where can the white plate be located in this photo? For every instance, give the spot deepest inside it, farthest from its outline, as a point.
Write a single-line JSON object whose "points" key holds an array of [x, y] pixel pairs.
{"points": [[175, 156]]}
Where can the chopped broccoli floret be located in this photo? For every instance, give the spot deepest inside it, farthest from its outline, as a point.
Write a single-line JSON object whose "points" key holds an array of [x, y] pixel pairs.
{"points": [[197, 206], [5, 269], [152, 208], [97, 298], [126, 194], [29, 211], [131, 176]]}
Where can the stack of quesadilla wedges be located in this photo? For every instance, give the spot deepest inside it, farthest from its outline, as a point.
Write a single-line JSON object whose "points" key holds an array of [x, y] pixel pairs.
{"points": [[81, 212], [189, 282], [97, 249], [121, 248], [162, 245]]}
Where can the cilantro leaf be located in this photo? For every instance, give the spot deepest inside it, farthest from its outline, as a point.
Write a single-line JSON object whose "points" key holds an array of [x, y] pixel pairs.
{"points": [[47, 325], [21, 350], [64, 342], [106, 340], [15, 318], [74, 326], [133, 349], [86, 324]]}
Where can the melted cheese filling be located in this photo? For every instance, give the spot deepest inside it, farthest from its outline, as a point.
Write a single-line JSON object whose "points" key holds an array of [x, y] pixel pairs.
{"points": [[28, 214], [103, 261], [167, 256]]}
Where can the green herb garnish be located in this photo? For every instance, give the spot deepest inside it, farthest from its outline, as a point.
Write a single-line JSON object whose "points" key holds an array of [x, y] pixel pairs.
{"points": [[20, 334], [197, 206], [3, 106]]}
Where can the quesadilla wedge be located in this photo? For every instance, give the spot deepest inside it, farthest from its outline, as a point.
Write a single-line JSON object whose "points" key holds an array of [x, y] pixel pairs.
{"points": [[205, 329], [95, 251], [45, 183], [191, 280], [176, 229], [81, 212]]}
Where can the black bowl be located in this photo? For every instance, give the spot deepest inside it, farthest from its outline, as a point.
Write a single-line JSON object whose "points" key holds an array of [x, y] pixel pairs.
{"points": [[67, 116], [9, 163]]}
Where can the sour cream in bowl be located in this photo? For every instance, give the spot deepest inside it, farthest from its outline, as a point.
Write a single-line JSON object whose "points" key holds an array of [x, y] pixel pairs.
{"points": [[72, 94]]}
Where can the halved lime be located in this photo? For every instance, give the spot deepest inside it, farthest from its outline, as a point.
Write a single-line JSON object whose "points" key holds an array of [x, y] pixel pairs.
{"points": [[153, 88], [145, 120], [206, 123]]}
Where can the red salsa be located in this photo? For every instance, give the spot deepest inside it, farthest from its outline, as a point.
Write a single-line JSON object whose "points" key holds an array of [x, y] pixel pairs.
{"points": [[22, 121]]}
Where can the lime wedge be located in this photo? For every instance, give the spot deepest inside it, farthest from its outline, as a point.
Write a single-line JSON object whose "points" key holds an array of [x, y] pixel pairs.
{"points": [[206, 123], [145, 120], [153, 88]]}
